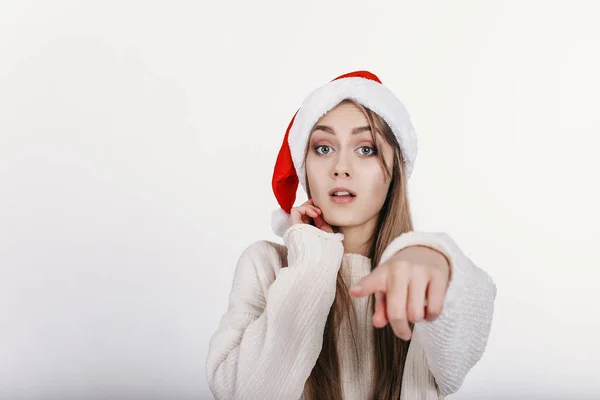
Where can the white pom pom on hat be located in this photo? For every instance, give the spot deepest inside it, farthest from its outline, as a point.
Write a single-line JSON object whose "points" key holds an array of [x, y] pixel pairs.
{"points": [[361, 86]]}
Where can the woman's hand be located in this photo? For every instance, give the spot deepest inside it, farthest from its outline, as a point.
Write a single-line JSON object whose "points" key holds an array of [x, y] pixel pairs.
{"points": [[308, 213], [410, 286]]}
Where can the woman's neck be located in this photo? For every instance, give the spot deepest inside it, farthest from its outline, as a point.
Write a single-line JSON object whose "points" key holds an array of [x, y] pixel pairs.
{"points": [[357, 238]]}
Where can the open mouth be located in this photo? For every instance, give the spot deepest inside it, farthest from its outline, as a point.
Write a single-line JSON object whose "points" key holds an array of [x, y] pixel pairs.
{"points": [[342, 196], [342, 192]]}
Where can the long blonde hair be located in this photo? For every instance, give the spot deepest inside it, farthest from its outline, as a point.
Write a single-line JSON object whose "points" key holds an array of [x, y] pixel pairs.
{"points": [[324, 382]]}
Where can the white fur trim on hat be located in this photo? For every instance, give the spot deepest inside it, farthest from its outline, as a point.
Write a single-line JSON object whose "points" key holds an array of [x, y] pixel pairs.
{"points": [[280, 221], [367, 92]]}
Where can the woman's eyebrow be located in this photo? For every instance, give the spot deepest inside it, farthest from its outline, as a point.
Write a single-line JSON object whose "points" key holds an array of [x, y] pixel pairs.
{"points": [[330, 130]]}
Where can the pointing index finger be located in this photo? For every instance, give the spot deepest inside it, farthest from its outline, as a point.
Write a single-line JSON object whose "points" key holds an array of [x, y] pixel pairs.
{"points": [[374, 282]]}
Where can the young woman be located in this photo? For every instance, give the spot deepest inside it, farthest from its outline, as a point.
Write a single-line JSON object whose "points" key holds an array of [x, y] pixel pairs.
{"points": [[355, 304]]}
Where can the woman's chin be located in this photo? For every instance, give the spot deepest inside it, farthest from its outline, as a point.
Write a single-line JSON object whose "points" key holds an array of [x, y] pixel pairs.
{"points": [[340, 218], [339, 222]]}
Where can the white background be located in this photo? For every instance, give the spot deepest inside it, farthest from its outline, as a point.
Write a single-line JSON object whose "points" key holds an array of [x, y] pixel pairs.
{"points": [[138, 139]]}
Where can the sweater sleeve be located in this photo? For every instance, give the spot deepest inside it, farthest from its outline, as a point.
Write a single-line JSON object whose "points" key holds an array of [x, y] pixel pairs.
{"points": [[271, 335], [456, 340]]}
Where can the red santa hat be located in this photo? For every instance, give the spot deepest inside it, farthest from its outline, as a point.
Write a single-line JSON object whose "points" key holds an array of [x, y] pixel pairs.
{"points": [[361, 86]]}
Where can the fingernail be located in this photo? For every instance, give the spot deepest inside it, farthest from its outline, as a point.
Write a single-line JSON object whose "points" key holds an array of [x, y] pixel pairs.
{"points": [[355, 288]]}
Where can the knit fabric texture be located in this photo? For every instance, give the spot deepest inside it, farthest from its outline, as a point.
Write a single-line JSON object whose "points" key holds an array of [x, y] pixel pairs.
{"points": [[271, 335]]}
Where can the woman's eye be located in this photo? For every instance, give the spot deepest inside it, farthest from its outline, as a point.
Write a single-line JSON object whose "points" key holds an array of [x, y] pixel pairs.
{"points": [[323, 146], [364, 150], [370, 151]]}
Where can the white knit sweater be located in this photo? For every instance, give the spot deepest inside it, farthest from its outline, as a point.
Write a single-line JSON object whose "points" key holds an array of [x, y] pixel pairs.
{"points": [[269, 339]]}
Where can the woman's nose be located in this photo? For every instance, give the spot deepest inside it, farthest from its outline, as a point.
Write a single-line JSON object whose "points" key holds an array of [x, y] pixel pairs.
{"points": [[341, 166], [341, 169]]}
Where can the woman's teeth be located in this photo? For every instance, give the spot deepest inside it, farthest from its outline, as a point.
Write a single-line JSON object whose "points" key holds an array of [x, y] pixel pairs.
{"points": [[341, 194]]}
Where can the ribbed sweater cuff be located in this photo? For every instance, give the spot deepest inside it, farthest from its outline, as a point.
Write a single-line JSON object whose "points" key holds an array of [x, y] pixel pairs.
{"points": [[308, 243]]}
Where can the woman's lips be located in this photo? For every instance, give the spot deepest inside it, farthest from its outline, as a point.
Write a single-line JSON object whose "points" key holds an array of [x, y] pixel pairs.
{"points": [[342, 199]]}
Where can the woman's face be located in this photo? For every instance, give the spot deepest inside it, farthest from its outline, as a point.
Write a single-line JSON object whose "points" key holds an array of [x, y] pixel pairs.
{"points": [[342, 155]]}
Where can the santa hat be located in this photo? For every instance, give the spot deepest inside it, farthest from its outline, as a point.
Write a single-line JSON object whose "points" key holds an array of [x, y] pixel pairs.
{"points": [[361, 86]]}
